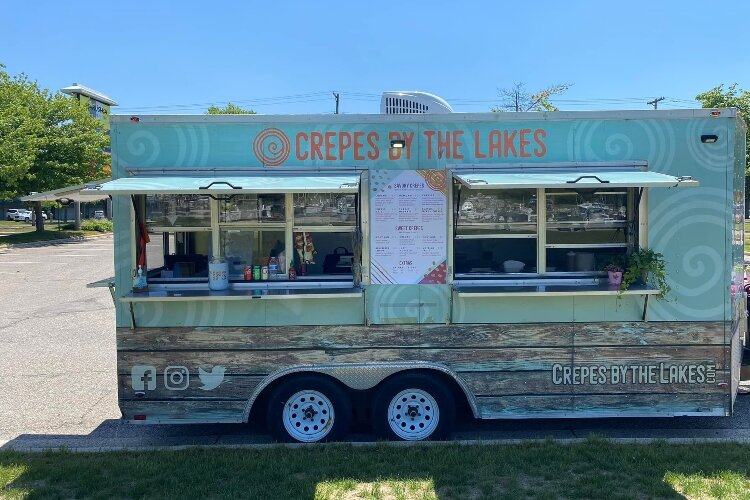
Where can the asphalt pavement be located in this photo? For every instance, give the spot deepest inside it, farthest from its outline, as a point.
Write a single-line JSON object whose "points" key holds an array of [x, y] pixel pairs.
{"points": [[58, 385]]}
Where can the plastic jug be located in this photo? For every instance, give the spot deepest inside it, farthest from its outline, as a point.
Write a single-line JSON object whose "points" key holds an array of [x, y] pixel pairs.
{"points": [[218, 274]]}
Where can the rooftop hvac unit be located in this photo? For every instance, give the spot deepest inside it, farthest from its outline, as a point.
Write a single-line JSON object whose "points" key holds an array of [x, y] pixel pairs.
{"points": [[399, 103]]}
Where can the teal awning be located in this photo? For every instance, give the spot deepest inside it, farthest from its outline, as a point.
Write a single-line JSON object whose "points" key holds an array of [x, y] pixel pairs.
{"points": [[571, 180], [345, 183]]}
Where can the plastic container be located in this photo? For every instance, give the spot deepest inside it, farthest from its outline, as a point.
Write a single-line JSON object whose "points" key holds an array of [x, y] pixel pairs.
{"points": [[585, 261], [513, 266], [218, 274]]}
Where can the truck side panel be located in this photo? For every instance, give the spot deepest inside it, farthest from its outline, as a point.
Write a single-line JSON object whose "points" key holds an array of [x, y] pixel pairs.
{"points": [[541, 370]]}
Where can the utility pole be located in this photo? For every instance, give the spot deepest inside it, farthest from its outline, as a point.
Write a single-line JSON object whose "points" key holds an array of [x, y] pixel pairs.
{"points": [[336, 96], [655, 102]]}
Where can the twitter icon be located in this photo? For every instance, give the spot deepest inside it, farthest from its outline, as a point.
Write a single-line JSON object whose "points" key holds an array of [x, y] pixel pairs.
{"points": [[211, 380]]}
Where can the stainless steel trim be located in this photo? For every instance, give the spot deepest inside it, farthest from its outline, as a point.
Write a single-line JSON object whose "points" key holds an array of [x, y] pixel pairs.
{"points": [[362, 376]]}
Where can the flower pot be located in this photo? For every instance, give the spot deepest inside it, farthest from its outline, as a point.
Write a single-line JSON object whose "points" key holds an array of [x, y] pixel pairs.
{"points": [[614, 277], [644, 276]]}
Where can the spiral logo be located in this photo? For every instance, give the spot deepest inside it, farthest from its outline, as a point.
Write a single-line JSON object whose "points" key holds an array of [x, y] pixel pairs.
{"points": [[683, 223], [271, 147], [143, 148]]}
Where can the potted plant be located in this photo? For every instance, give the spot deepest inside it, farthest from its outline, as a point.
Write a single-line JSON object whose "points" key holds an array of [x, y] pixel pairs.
{"points": [[614, 271], [647, 267]]}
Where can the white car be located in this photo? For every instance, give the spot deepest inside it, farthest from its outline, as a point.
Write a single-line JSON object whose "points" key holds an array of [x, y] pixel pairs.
{"points": [[28, 216], [11, 213]]}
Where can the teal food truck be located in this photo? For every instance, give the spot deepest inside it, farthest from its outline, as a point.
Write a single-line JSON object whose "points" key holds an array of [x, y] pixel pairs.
{"points": [[302, 269]]}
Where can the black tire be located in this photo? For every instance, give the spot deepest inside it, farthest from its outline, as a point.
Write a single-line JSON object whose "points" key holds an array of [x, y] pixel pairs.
{"points": [[433, 386], [333, 391]]}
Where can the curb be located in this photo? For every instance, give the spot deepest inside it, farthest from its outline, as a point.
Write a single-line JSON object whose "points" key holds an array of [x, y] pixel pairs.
{"points": [[369, 444]]}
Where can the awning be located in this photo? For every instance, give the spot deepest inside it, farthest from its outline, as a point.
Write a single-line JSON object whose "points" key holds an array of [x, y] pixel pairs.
{"points": [[71, 193], [348, 183], [571, 180]]}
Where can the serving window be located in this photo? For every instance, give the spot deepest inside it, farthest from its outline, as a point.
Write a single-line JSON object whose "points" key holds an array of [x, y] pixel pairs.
{"points": [[180, 210], [558, 220], [586, 229], [315, 232], [495, 231], [541, 231], [324, 233]]}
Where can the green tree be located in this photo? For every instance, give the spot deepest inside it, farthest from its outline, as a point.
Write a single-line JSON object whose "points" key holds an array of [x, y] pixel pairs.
{"points": [[47, 140], [517, 98], [732, 97], [229, 109]]}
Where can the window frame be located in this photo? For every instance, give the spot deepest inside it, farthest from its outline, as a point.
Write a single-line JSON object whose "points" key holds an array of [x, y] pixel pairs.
{"points": [[636, 236], [288, 226]]}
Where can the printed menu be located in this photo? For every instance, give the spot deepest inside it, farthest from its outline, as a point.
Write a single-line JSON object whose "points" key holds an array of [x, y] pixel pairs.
{"points": [[408, 226]]}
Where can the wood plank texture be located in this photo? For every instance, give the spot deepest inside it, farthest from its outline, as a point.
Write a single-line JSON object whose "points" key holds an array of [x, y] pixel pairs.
{"points": [[231, 387], [437, 336], [540, 382], [608, 356], [255, 362], [185, 411], [650, 404], [509, 367], [615, 405]]}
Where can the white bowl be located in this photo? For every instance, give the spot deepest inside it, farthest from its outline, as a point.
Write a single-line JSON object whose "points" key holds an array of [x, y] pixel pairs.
{"points": [[513, 266]]}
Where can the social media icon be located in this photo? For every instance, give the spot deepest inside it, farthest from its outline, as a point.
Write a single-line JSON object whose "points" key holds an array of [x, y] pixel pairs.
{"points": [[143, 377], [176, 378], [211, 380]]}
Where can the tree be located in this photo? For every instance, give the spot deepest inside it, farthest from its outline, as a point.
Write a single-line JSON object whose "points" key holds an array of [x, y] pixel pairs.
{"points": [[229, 109], [517, 98], [47, 140], [733, 97]]}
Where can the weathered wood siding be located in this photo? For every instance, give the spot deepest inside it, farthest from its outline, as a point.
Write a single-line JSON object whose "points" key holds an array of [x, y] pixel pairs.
{"points": [[514, 371]]}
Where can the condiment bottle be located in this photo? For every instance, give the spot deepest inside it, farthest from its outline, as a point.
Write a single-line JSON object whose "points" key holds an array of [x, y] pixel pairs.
{"points": [[292, 271]]}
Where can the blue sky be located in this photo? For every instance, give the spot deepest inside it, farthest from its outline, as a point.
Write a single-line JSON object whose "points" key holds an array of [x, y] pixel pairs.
{"points": [[179, 57]]}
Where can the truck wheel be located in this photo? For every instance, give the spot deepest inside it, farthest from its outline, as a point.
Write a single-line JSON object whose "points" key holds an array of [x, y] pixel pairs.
{"points": [[413, 407], [309, 409]]}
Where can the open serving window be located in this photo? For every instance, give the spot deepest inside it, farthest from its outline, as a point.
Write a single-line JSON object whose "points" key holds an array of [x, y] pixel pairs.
{"points": [[526, 227], [309, 222]]}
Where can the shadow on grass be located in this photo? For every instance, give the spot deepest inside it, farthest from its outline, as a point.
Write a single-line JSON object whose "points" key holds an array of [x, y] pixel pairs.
{"points": [[591, 469]]}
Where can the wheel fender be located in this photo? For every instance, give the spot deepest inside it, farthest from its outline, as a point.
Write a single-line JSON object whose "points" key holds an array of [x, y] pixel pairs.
{"points": [[361, 376]]}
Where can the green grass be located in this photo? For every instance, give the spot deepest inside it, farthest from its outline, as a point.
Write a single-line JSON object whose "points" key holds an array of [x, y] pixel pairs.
{"points": [[591, 469], [7, 227], [46, 235]]}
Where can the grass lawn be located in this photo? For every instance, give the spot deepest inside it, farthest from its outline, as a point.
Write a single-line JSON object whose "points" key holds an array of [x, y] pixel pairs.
{"points": [[7, 227], [31, 236], [591, 469]]}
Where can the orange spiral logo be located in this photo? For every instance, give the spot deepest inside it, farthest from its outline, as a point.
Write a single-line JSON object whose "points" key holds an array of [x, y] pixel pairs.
{"points": [[271, 147]]}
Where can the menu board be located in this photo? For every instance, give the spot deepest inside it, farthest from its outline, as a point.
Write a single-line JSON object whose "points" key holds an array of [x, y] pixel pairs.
{"points": [[408, 226]]}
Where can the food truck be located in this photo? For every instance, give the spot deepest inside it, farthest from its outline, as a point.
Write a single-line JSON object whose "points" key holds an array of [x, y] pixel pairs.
{"points": [[302, 269]]}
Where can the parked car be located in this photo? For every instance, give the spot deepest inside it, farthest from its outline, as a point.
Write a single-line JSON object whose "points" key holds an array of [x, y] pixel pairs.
{"points": [[99, 214], [28, 216], [11, 213], [20, 216]]}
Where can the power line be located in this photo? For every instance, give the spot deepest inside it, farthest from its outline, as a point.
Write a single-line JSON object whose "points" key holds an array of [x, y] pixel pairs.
{"points": [[321, 96], [655, 102]]}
